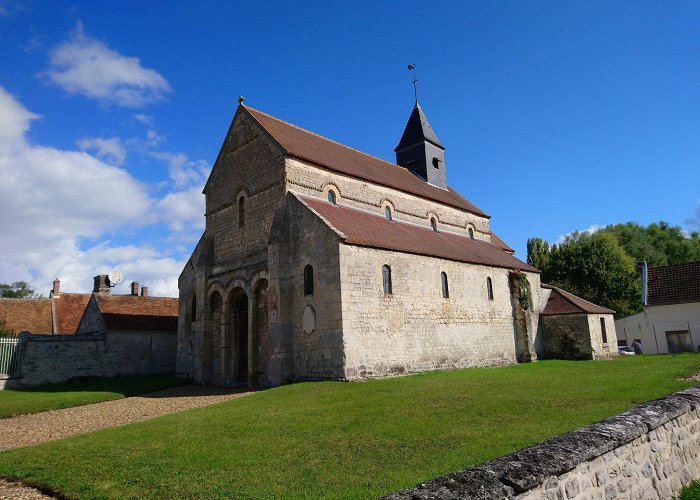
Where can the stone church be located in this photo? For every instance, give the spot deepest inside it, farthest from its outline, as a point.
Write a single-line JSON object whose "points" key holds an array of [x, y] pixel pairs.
{"points": [[319, 261]]}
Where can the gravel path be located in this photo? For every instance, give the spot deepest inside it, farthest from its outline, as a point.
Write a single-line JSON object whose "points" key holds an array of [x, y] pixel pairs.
{"points": [[26, 430]]}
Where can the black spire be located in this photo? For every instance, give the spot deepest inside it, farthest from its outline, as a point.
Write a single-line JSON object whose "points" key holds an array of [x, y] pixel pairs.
{"points": [[420, 151]]}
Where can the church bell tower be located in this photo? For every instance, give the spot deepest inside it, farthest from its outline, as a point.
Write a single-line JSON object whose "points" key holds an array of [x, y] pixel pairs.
{"points": [[420, 151]]}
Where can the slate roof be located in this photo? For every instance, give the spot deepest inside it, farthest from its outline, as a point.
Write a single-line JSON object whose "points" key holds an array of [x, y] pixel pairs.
{"points": [[32, 315], [131, 312], [677, 284], [305, 145], [69, 308], [562, 302], [370, 230], [417, 130]]}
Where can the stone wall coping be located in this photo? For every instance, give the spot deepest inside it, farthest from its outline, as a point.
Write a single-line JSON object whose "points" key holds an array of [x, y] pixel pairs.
{"points": [[518, 472]]}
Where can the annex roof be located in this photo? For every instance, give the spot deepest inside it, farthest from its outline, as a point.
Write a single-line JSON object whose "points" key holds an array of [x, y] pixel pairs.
{"points": [[32, 315], [69, 308], [417, 130], [131, 312], [676, 284], [334, 156], [562, 302], [369, 230]]}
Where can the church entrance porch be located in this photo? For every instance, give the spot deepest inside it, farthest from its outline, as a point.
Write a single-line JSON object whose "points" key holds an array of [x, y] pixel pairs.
{"points": [[235, 347]]}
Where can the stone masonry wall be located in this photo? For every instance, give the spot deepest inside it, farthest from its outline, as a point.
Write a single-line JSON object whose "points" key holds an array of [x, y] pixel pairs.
{"points": [[309, 180], [602, 349], [648, 452], [577, 336], [59, 358], [415, 328]]}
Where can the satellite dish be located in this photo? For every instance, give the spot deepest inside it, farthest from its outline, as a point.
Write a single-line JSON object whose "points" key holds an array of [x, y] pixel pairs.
{"points": [[115, 276]]}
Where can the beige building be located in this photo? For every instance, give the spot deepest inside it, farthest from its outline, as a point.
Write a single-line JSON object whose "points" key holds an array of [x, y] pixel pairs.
{"points": [[670, 321], [319, 261]]}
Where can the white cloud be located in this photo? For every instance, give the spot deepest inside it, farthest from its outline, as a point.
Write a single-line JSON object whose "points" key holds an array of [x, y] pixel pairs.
{"points": [[108, 149], [84, 65], [183, 211], [56, 202], [145, 119], [590, 230], [182, 170]]}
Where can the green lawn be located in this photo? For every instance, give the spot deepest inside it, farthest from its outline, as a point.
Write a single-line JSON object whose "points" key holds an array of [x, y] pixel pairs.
{"points": [[346, 440], [53, 397]]}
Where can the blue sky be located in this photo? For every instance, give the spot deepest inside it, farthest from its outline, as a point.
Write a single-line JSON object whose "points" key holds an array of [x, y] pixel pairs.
{"points": [[556, 116]]}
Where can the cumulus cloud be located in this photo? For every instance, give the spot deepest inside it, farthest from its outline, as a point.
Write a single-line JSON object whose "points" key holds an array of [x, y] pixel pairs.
{"points": [[86, 66], [107, 149], [58, 205], [182, 170]]}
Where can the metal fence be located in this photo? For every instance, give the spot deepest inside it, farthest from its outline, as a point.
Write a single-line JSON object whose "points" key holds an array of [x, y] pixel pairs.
{"points": [[10, 351]]}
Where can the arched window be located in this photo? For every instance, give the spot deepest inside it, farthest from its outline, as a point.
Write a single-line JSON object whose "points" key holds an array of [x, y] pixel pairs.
{"points": [[308, 280], [386, 278], [445, 287], [331, 196], [489, 288], [433, 223], [193, 318], [471, 233], [241, 211], [387, 213]]}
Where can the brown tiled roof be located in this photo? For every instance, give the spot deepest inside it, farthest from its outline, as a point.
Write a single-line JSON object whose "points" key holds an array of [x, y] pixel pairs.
{"points": [[314, 148], [32, 315], [500, 243], [677, 284], [365, 229], [561, 302], [69, 309], [130, 312]]}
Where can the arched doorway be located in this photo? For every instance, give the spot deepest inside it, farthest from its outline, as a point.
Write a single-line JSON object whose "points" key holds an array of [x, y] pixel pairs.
{"points": [[239, 336]]}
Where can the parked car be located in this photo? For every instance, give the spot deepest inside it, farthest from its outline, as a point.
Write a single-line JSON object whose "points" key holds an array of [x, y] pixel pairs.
{"points": [[625, 350]]}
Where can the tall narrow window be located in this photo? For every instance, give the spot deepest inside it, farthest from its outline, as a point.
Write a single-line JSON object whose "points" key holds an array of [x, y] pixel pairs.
{"points": [[241, 211], [436, 163], [433, 223], [308, 280], [331, 196], [489, 288], [471, 233], [387, 213], [445, 287], [603, 331], [386, 278], [194, 309]]}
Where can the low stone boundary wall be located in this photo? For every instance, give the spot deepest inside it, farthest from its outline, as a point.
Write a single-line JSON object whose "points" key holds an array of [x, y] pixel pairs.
{"points": [[650, 451], [53, 359]]}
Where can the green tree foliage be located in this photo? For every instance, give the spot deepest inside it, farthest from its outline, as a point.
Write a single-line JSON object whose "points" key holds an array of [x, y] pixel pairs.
{"points": [[538, 253], [601, 267], [17, 290]]}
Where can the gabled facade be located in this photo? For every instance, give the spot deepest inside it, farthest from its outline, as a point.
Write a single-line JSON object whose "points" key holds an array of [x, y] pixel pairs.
{"points": [[319, 261], [670, 321]]}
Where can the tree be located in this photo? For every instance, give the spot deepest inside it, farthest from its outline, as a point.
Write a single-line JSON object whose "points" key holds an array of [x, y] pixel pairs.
{"points": [[537, 253], [17, 290], [660, 244], [592, 266]]}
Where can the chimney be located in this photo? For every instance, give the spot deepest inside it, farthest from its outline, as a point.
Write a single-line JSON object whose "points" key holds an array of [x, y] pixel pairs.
{"points": [[645, 275], [144, 291], [135, 288], [102, 285], [56, 287]]}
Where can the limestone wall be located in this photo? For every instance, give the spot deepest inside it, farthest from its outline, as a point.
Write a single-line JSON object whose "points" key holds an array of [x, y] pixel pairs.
{"points": [[416, 329], [310, 180], [648, 452], [59, 358], [577, 336], [602, 349]]}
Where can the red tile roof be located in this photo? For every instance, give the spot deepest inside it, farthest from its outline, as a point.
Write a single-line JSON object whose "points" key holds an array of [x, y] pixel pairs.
{"points": [[31, 315], [500, 243], [131, 312], [316, 149], [69, 309], [561, 302], [677, 284], [365, 229]]}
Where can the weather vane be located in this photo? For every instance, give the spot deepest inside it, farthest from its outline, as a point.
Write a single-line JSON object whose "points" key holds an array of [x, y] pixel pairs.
{"points": [[412, 67]]}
